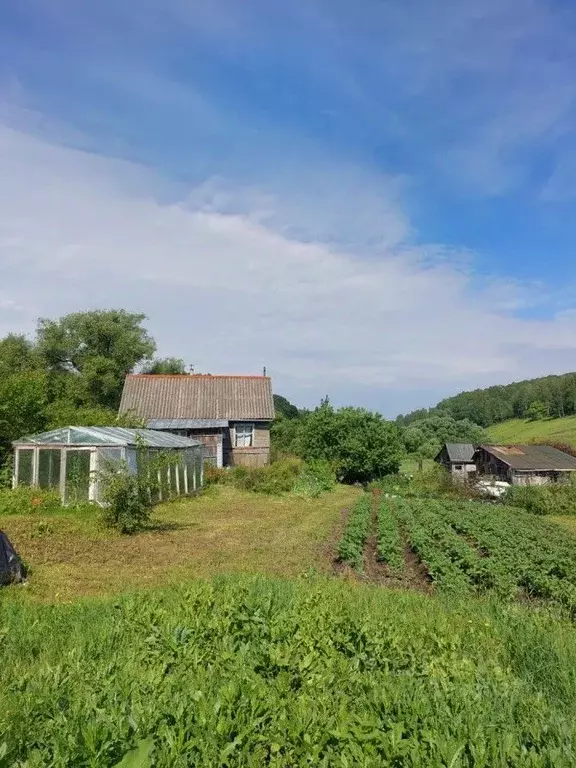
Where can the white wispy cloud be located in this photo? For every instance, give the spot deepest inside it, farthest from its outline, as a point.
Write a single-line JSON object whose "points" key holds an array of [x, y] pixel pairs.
{"points": [[229, 284]]}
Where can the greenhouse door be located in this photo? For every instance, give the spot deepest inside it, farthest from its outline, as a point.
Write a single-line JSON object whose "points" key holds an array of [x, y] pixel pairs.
{"points": [[79, 482]]}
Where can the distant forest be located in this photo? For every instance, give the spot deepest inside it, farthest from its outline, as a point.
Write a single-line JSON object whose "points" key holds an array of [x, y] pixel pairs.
{"points": [[550, 396]]}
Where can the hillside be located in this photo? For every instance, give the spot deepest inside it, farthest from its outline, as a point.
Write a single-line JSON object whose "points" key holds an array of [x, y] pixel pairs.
{"points": [[522, 431], [552, 396]]}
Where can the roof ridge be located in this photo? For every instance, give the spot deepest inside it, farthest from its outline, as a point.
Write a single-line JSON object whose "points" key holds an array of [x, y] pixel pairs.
{"points": [[197, 376]]}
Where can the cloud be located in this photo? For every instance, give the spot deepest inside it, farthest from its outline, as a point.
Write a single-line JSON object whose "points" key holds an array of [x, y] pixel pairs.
{"points": [[229, 285]]}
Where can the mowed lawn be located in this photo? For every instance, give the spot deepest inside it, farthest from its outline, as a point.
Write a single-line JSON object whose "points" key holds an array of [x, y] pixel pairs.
{"points": [[221, 531], [521, 431]]}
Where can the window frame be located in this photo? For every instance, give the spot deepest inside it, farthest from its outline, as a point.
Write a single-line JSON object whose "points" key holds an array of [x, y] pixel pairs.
{"points": [[243, 427]]}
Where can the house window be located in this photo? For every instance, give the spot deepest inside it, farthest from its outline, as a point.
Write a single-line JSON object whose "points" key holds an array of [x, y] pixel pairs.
{"points": [[243, 435]]}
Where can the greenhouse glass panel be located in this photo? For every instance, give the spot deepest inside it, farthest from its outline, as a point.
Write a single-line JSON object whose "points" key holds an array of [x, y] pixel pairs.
{"points": [[198, 467], [77, 476], [189, 462], [25, 466], [181, 473], [49, 462]]}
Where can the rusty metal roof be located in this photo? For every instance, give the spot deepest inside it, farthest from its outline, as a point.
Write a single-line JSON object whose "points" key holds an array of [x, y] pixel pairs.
{"points": [[535, 458], [198, 396]]}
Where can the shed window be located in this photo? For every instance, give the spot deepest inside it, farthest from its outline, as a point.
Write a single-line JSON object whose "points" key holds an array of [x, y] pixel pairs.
{"points": [[244, 435], [459, 467]]}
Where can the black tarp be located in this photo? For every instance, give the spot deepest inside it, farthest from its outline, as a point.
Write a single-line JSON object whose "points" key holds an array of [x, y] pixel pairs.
{"points": [[11, 566]]}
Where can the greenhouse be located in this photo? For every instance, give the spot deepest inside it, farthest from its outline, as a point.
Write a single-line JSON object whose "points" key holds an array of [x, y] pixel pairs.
{"points": [[73, 460]]}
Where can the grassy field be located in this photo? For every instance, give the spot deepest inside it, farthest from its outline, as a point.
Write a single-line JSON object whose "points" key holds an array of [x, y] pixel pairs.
{"points": [[410, 465], [520, 431], [220, 662], [252, 672], [223, 530]]}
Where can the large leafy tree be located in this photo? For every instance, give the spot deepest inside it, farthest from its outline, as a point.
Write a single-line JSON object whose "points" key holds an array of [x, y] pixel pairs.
{"points": [[171, 365], [360, 444], [90, 353], [17, 354]]}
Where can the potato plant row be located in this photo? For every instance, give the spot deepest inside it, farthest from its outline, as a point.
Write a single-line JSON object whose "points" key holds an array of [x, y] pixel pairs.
{"points": [[390, 546], [536, 554], [351, 547], [448, 558]]}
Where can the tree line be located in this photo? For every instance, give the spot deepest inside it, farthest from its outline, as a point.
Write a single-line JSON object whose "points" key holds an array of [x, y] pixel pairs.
{"points": [[549, 396]]}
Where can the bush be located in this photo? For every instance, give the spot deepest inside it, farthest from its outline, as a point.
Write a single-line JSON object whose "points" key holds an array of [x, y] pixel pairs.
{"points": [[29, 501], [543, 499], [127, 499], [288, 475], [316, 477]]}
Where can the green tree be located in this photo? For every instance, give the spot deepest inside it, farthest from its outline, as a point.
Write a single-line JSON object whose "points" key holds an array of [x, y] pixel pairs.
{"points": [[17, 354], [23, 401], [537, 410], [360, 444], [166, 365], [90, 353], [285, 408]]}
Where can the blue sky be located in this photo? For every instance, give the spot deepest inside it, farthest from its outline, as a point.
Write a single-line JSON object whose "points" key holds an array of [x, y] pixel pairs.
{"points": [[375, 201]]}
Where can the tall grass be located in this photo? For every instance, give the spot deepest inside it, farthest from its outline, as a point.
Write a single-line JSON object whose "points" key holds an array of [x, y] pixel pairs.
{"points": [[251, 672]]}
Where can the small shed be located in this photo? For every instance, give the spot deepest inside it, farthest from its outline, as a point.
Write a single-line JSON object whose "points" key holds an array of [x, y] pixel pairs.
{"points": [[458, 458], [525, 464], [71, 459]]}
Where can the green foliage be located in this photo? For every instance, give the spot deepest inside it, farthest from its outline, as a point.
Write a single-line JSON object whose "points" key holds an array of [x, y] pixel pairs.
{"points": [[23, 399], [360, 444], [433, 482], [166, 365], [351, 546], [29, 501], [426, 437], [128, 497], [139, 757], [496, 404], [63, 413], [315, 478], [472, 548], [553, 499], [284, 436], [536, 411], [254, 672], [17, 355], [93, 352], [390, 545], [285, 408], [284, 476]]}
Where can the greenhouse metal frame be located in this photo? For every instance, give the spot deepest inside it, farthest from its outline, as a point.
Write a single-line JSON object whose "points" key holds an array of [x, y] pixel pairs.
{"points": [[72, 459]]}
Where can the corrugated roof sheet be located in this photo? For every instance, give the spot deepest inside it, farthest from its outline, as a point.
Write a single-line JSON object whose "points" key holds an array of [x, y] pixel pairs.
{"points": [[461, 452], [117, 436], [536, 458], [198, 396], [187, 423]]}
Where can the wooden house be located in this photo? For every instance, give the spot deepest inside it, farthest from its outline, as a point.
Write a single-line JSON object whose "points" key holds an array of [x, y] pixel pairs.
{"points": [[230, 415], [458, 459], [524, 464]]}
